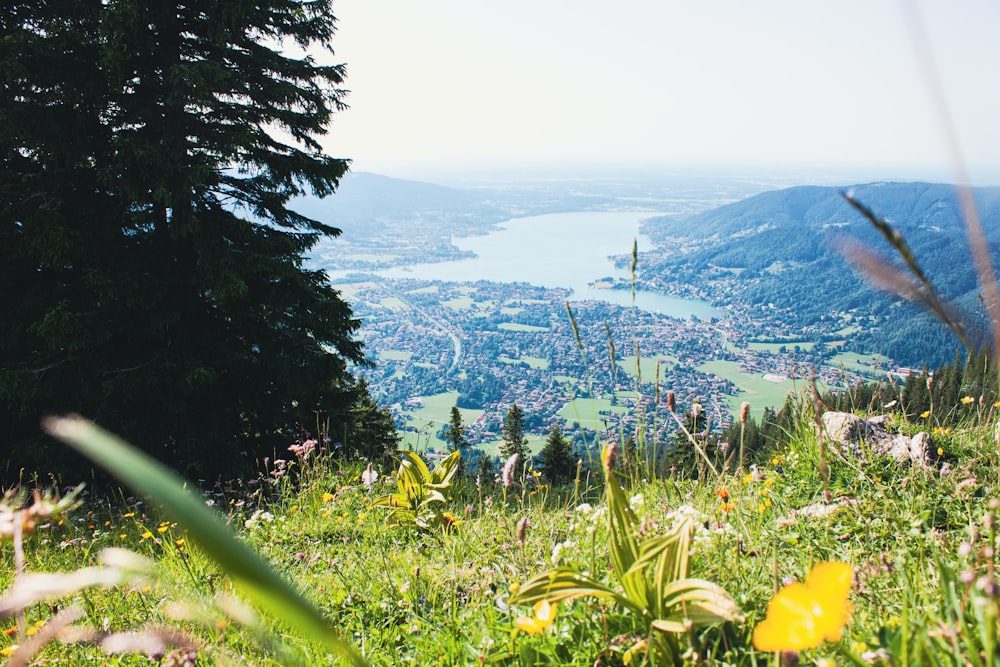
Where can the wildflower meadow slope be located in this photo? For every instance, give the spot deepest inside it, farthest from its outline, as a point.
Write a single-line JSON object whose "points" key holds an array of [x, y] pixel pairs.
{"points": [[805, 554]]}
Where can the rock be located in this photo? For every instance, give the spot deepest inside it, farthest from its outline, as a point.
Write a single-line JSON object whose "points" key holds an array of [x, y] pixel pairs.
{"points": [[869, 436]]}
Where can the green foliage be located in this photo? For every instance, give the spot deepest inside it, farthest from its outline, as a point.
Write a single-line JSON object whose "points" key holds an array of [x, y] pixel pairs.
{"points": [[372, 429], [454, 433], [419, 499], [160, 485], [652, 579], [514, 440], [147, 154], [797, 229], [556, 457]]}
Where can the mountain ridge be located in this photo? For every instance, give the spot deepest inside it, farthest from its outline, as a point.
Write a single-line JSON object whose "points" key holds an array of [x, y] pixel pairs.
{"points": [[779, 249]]}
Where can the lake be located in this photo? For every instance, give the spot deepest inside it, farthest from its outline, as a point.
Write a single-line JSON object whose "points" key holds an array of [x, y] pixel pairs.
{"points": [[569, 250]]}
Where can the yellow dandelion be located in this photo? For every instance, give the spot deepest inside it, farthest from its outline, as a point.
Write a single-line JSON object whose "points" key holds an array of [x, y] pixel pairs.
{"points": [[967, 399], [804, 615], [925, 414]]}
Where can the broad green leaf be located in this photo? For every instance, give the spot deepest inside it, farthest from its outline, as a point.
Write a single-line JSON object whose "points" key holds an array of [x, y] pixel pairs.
{"points": [[564, 583], [441, 475], [414, 464], [161, 485], [702, 602]]}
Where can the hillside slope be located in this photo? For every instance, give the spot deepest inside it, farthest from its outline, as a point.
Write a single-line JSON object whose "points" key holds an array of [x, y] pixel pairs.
{"points": [[777, 251]]}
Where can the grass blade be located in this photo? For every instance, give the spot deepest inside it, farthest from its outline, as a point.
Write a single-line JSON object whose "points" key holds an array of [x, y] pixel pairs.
{"points": [[161, 485]]}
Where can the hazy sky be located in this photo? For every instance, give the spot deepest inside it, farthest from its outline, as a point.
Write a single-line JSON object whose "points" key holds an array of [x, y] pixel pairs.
{"points": [[771, 83]]}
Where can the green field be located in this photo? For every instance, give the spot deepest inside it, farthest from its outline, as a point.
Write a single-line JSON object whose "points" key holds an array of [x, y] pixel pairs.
{"points": [[459, 303], [434, 412], [533, 362], [754, 388], [852, 361], [514, 326], [392, 302], [647, 366], [788, 345], [587, 411], [395, 355]]}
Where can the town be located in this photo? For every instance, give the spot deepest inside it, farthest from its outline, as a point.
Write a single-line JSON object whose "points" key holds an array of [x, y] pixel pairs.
{"points": [[586, 366]]}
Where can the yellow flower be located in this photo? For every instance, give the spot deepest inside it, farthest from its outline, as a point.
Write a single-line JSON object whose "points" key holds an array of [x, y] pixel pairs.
{"points": [[967, 399], [147, 535], [544, 614], [327, 497], [727, 507], [925, 414], [803, 615]]}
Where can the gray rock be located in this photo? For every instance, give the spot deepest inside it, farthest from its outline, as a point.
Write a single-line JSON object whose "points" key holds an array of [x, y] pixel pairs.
{"points": [[863, 437]]}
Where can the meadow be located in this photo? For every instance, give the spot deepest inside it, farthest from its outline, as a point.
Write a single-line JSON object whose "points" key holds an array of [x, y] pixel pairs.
{"points": [[511, 571]]}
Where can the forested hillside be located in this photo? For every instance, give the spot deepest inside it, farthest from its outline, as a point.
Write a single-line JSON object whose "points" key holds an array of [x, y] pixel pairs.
{"points": [[779, 251]]}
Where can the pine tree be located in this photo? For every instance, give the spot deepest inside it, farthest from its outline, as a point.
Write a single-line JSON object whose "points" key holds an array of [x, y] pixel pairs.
{"points": [[373, 435], [558, 462], [148, 151], [454, 433], [514, 441]]}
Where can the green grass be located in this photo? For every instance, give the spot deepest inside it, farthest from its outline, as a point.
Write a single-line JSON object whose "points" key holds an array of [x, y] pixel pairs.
{"points": [[443, 598], [589, 412], [392, 302], [775, 347], [395, 355], [760, 391], [435, 411], [647, 366], [514, 326], [853, 361], [459, 303], [533, 362]]}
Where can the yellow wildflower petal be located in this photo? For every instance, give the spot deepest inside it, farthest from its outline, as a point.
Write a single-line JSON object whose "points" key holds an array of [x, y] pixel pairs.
{"points": [[527, 624], [545, 613], [803, 615]]}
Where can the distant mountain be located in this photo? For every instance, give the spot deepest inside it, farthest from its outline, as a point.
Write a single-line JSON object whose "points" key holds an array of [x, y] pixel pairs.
{"points": [[365, 202], [777, 251]]}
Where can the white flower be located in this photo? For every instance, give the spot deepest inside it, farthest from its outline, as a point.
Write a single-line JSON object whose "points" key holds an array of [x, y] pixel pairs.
{"points": [[368, 477], [257, 517], [584, 508], [558, 549], [636, 501]]}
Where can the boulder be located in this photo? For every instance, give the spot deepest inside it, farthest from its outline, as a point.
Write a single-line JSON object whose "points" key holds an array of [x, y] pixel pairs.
{"points": [[863, 437]]}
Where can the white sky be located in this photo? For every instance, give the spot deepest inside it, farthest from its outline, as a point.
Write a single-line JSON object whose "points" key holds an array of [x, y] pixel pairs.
{"points": [[769, 83]]}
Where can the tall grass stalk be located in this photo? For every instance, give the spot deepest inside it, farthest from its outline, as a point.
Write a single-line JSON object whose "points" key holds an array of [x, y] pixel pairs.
{"points": [[162, 486]]}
